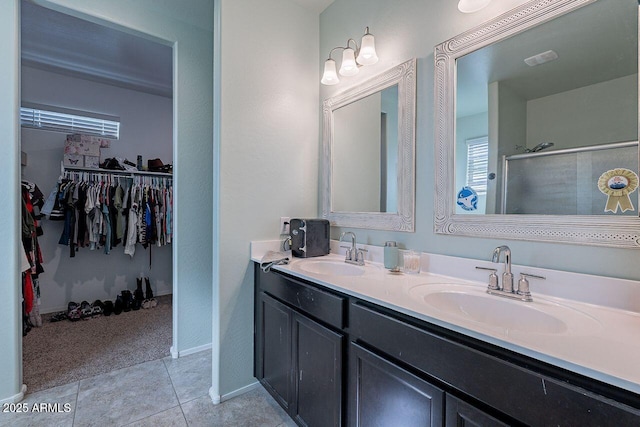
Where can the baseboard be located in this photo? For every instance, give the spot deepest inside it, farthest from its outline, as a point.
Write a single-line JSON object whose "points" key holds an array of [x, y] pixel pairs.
{"points": [[176, 354], [15, 398], [217, 399]]}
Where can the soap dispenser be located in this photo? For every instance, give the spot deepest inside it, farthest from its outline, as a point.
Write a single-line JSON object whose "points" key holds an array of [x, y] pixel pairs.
{"points": [[390, 255]]}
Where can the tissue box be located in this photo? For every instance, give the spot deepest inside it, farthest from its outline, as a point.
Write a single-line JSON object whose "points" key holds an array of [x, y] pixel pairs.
{"points": [[73, 160], [92, 162]]}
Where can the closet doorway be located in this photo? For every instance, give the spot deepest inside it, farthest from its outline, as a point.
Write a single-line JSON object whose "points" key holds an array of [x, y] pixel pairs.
{"points": [[78, 67]]}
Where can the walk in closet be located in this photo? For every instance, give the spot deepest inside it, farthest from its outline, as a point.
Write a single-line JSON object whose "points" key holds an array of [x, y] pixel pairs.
{"points": [[79, 67]]}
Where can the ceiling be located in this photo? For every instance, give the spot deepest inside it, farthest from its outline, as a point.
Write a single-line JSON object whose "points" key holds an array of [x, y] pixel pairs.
{"points": [[64, 44], [68, 45], [316, 6]]}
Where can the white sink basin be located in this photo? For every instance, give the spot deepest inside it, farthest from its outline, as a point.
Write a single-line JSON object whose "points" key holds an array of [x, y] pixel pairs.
{"points": [[473, 304], [497, 312], [328, 267]]}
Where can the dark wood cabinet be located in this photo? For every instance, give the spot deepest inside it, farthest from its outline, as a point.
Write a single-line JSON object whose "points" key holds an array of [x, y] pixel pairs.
{"points": [[299, 360], [383, 394], [461, 414], [404, 371], [276, 349], [318, 366]]}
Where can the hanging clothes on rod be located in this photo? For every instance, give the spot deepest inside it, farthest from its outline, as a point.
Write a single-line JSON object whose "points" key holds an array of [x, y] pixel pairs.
{"points": [[32, 202], [104, 209]]}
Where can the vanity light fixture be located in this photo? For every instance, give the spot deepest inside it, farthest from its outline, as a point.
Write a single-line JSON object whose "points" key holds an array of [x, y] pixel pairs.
{"points": [[352, 59], [470, 6]]}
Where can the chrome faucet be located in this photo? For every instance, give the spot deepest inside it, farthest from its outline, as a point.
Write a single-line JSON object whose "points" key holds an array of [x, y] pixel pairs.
{"points": [[506, 290], [507, 277], [353, 254]]}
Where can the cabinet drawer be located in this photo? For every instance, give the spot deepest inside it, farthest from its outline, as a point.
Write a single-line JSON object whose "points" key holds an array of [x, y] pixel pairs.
{"points": [[325, 306], [528, 396]]}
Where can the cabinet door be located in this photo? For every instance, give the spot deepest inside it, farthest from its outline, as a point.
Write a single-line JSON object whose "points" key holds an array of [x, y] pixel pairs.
{"points": [[318, 362], [383, 394], [461, 414], [276, 349]]}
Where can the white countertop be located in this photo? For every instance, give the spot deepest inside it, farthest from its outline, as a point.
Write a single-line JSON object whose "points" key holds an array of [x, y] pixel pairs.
{"points": [[602, 341]]}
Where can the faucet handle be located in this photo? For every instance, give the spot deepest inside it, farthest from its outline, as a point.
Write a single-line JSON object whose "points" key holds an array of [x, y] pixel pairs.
{"points": [[533, 276], [493, 278], [523, 285], [360, 255]]}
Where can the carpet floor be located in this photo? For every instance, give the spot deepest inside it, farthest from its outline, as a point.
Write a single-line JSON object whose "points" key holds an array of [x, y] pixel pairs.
{"points": [[63, 352]]}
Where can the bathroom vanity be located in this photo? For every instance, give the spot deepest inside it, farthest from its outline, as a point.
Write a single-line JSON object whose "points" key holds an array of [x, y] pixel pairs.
{"points": [[350, 345]]}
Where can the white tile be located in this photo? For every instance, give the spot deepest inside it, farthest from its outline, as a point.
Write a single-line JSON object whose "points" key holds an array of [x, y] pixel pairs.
{"points": [[190, 375], [126, 395]]}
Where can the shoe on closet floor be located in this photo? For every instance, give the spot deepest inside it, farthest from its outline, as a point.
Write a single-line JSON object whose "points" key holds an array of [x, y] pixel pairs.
{"points": [[85, 310], [149, 301], [118, 306], [127, 299], [108, 308], [138, 295], [97, 308], [73, 311], [58, 317]]}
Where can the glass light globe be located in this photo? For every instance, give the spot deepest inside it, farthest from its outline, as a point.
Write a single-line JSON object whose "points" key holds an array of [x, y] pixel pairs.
{"points": [[330, 77]]}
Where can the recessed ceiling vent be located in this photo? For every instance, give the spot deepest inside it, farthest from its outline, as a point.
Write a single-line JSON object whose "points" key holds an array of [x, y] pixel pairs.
{"points": [[541, 58]]}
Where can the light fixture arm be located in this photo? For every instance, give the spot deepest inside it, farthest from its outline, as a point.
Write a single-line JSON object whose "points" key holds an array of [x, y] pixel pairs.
{"points": [[356, 50]]}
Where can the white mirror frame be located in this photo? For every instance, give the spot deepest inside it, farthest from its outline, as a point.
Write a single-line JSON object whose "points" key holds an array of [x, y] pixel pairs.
{"points": [[613, 231], [404, 75]]}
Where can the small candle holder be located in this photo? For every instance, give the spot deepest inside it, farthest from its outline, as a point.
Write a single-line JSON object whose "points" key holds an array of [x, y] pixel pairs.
{"points": [[411, 262]]}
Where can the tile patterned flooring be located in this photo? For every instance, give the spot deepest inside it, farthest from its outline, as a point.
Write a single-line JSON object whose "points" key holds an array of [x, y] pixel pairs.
{"points": [[165, 392]]}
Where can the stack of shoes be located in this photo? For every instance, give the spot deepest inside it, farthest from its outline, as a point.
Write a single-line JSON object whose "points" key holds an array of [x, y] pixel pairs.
{"points": [[126, 302], [149, 301]]}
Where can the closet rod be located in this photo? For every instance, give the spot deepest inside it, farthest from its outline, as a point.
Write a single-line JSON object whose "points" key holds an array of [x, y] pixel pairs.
{"points": [[116, 171]]}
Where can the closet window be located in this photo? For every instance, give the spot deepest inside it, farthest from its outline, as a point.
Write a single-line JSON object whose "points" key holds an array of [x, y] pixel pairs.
{"points": [[478, 163], [62, 120]]}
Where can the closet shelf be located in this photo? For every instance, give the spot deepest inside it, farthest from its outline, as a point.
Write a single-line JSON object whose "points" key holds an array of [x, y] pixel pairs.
{"points": [[115, 171]]}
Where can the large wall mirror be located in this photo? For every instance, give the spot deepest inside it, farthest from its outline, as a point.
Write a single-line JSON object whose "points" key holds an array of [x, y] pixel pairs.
{"points": [[369, 145], [537, 125]]}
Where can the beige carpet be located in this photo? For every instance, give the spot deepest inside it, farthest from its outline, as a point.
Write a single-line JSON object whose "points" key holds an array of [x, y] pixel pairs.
{"points": [[63, 352]]}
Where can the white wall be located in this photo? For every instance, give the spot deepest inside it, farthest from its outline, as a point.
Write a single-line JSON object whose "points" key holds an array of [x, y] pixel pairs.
{"points": [[10, 311], [146, 129], [409, 28], [269, 155], [588, 115], [190, 31], [356, 156]]}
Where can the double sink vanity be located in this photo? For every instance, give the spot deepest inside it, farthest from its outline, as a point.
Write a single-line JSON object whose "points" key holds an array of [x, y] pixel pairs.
{"points": [[343, 344], [339, 343]]}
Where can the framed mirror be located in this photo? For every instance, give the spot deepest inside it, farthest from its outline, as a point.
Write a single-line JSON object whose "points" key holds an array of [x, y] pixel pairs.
{"points": [[368, 163], [537, 125]]}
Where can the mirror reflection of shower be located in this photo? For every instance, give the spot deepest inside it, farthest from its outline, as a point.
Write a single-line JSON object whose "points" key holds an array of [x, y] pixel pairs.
{"points": [[537, 148]]}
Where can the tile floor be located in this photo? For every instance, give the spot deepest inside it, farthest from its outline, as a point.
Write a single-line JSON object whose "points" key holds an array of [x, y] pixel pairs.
{"points": [[165, 392]]}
